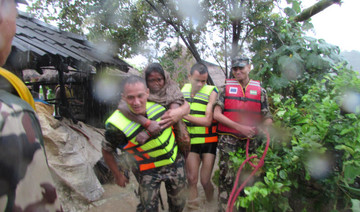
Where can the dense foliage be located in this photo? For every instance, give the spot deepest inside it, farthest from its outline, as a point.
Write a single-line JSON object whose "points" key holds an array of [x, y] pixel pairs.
{"points": [[313, 162]]}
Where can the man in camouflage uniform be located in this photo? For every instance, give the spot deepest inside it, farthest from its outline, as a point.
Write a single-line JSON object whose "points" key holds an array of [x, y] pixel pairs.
{"points": [[20, 133], [240, 98], [149, 170]]}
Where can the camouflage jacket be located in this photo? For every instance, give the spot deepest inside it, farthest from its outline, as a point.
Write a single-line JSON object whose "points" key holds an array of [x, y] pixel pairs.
{"points": [[20, 136], [23, 163]]}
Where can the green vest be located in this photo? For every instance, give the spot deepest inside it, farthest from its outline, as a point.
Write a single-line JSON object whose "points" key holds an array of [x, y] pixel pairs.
{"points": [[199, 134], [154, 153]]}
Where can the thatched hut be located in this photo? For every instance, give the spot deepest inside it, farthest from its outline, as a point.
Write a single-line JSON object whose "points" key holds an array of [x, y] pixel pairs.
{"points": [[46, 57]]}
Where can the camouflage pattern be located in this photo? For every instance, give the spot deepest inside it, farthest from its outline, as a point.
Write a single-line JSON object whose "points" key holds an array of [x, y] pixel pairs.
{"points": [[227, 175], [175, 183], [21, 154], [173, 176], [20, 137]]}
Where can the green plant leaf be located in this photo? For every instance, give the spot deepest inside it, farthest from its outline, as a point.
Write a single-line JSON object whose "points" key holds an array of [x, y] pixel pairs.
{"points": [[283, 174], [355, 205], [346, 130], [351, 171]]}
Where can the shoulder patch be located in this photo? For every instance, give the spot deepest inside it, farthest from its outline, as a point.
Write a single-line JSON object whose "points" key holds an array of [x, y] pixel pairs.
{"points": [[253, 92], [233, 90]]}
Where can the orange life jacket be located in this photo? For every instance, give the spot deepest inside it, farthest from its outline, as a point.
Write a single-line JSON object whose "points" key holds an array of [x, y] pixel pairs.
{"points": [[241, 107]]}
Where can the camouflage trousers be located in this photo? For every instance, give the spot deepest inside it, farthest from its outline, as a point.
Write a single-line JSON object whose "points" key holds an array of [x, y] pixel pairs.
{"points": [[173, 176], [227, 175]]}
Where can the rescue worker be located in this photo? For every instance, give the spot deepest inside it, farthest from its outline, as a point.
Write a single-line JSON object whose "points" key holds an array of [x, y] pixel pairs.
{"points": [[157, 158], [202, 129], [21, 141], [166, 92], [241, 110]]}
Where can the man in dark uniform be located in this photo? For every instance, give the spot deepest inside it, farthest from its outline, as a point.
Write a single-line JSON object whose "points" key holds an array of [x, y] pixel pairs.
{"points": [[242, 109]]}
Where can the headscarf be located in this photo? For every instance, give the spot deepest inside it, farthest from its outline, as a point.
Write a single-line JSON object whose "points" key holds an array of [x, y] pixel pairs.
{"points": [[168, 94]]}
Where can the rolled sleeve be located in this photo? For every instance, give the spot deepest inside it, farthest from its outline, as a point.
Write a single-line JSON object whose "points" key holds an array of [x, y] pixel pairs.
{"points": [[114, 138], [265, 110], [221, 98]]}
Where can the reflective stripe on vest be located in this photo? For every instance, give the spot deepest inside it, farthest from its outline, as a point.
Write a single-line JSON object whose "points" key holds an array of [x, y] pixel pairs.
{"points": [[200, 134], [154, 153], [241, 107]]}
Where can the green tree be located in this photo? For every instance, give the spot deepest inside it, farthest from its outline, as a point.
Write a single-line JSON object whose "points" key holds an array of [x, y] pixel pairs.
{"points": [[204, 27], [121, 25]]}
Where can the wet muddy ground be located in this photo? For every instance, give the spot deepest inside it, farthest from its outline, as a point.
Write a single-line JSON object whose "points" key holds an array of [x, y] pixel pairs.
{"points": [[116, 198]]}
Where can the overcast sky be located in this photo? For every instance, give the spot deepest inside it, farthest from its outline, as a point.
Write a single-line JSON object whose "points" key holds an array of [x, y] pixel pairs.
{"points": [[338, 25]]}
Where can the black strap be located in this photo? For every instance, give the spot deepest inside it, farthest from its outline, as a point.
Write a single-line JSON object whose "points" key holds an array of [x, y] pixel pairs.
{"points": [[244, 99], [161, 157], [196, 112], [158, 115], [163, 145], [192, 100], [189, 124], [203, 135], [242, 111]]}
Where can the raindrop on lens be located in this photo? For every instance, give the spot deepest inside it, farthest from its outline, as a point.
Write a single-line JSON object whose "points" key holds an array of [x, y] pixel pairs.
{"points": [[106, 90], [318, 167], [351, 102], [292, 69]]}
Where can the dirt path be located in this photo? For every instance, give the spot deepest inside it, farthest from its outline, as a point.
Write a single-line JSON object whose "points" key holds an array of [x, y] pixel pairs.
{"points": [[116, 198]]}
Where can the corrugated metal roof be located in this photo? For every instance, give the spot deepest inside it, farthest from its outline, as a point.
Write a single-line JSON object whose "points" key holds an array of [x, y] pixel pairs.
{"points": [[42, 41]]}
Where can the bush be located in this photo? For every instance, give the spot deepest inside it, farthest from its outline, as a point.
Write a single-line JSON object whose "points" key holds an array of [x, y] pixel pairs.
{"points": [[317, 166]]}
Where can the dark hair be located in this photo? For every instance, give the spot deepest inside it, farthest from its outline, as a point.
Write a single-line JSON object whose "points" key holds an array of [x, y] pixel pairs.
{"points": [[200, 67], [132, 79], [154, 67]]}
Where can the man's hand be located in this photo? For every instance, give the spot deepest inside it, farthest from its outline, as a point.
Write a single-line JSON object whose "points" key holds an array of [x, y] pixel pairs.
{"points": [[154, 128], [142, 137], [169, 118], [246, 130], [121, 179], [264, 127], [184, 145]]}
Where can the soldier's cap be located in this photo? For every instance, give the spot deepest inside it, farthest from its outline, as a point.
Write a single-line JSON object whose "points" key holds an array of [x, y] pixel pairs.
{"points": [[240, 61], [21, 1]]}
